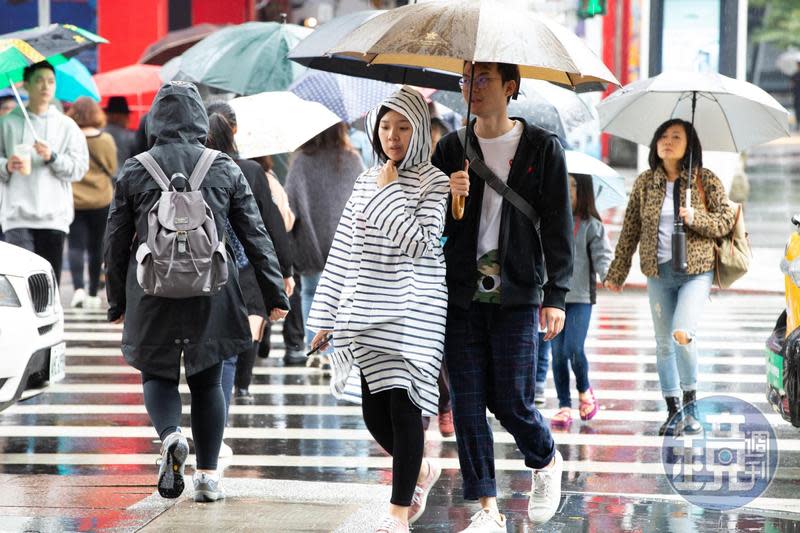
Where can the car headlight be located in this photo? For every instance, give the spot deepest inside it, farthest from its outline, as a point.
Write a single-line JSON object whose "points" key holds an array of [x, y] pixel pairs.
{"points": [[8, 296], [792, 269]]}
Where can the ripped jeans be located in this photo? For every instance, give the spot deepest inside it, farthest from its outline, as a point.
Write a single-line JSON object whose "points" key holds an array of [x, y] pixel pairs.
{"points": [[676, 303]]}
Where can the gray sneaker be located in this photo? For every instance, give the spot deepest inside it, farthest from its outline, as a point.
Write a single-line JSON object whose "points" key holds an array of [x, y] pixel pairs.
{"points": [[538, 394], [174, 451], [207, 487]]}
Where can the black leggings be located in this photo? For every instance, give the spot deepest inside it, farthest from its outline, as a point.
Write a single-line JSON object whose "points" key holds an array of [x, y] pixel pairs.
{"points": [[396, 423], [86, 236], [163, 403]]}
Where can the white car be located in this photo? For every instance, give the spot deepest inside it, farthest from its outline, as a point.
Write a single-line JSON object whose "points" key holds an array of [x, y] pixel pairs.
{"points": [[32, 349]]}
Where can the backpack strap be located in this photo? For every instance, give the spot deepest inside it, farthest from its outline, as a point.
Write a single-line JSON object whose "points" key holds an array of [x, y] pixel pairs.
{"points": [[202, 167], [151, 166], [480, 168]]}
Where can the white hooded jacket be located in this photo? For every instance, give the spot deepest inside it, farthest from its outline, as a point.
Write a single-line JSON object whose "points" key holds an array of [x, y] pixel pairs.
{"points": [[43, 199], [383, 290]]}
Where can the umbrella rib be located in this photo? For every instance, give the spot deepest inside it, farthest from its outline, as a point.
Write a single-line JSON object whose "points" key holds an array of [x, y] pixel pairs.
{"points": [[728, 122]]}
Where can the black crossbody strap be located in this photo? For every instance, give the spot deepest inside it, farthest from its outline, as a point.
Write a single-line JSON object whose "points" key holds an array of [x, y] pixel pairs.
{"points": [[485, 173]]}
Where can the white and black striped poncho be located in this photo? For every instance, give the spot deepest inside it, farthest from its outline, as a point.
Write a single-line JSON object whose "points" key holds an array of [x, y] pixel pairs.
{"points": [[383, 291]]}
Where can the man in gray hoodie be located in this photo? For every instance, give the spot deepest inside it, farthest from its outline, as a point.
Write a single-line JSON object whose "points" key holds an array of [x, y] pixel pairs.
{"points": [[37, 193]]}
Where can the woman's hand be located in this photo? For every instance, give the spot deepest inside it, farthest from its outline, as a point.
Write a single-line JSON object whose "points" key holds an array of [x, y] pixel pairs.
{"points": [[613, 287], [276, 314], [388, 174], [320, 337], [687, 214], [288, 286]]}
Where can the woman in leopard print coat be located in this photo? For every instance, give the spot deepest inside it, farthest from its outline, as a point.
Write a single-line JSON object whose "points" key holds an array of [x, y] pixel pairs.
{"points": [[676, 299]]}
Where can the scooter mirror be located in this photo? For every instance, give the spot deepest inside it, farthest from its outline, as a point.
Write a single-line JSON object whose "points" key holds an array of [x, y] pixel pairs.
{"points": [[796, 221]]}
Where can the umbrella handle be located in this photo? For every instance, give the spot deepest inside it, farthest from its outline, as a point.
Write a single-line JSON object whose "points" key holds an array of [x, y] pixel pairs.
{"points": [[457, 207], [22, 108]]}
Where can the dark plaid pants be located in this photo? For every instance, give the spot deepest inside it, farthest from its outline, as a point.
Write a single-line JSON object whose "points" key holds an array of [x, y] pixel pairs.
{"points": [[491, 358]]}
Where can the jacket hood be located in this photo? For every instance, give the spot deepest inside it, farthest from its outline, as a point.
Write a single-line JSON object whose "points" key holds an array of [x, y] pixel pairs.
{"points": [[411, 105], [177, 115]]}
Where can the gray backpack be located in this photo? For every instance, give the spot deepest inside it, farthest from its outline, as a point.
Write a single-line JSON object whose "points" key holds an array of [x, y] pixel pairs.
{"points": [[183, 256]]}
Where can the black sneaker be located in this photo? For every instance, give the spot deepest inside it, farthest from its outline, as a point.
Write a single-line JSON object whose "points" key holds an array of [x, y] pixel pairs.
{"points": [[294, 358], [174, 452], [242, 396]]}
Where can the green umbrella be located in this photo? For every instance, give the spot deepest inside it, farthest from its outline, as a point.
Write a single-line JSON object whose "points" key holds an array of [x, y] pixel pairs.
{"points": [[246, 59], [54, 43]]}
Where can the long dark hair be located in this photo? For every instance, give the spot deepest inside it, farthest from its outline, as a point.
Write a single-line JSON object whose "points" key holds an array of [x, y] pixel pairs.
{"points": [[336, 137], [692, 145], [220, 135], [224, 109], [584, 198], [376, 140]]}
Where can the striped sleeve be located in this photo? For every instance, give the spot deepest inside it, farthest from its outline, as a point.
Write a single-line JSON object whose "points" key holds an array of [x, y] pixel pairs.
{"points": [[326, 298], [418, 235]]}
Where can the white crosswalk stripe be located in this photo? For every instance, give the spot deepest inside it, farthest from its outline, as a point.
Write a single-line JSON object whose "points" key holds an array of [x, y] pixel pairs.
{"points": [[99, 408]]}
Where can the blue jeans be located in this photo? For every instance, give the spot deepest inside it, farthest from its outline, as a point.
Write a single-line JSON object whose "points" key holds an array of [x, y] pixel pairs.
{"points": [[676, 303], [491, 354], [542, 359], [568, 351], [308, 288]]}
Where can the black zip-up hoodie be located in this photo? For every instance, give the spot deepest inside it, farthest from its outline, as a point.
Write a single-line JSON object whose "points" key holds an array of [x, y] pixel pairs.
{"points": [[538, 174]]}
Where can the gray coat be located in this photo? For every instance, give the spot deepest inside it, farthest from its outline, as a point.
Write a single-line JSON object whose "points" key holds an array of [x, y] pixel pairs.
{"points": [[592, 257], [206, 329]]}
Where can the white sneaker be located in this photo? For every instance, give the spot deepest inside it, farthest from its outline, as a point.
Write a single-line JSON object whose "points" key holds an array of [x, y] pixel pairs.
{"points": [[487, 521], [546, 491], [225, 451], [92, 302], [207, 487], [78, 298]]}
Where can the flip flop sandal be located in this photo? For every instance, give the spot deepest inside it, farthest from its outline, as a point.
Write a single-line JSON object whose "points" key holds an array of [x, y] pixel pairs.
{"points": [[562, 419], [584, 404]]}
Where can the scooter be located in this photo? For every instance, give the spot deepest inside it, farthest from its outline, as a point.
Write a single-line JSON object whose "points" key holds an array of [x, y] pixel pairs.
{"points": [[783, 346]]}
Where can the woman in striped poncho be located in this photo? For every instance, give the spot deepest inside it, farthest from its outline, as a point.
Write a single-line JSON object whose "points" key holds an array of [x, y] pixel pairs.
{"points": [[383, 297]]}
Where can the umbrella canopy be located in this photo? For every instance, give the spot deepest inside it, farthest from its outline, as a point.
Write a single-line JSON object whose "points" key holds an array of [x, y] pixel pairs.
{"points": [[731, 115], [175, 43], [312, 52], [74, 80], [277, 122], [54, 43], [550, 107], [787, 61], [137, 83], [442, 35], [246, 59], [609, 186], [350, 98]]}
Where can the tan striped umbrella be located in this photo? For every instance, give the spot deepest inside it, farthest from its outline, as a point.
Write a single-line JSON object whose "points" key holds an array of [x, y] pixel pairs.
{"points": [[443, 34]]}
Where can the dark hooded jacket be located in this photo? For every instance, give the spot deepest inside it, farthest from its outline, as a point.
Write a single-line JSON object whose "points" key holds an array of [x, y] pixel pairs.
{"points": [[206, 329]]}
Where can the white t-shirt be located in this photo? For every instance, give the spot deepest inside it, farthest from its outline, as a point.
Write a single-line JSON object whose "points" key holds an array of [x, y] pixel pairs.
{"points": [[665, 226], [498, 153]]}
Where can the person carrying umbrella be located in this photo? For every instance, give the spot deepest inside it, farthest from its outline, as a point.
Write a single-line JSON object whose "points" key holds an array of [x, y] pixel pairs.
{"points": [[39, 161], [676, 298], [495, 264], [383, 296]]}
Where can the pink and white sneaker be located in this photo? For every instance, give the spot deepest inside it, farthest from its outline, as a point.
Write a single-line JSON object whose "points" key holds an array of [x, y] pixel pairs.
{"points": [[422, 490], [390, 524]]}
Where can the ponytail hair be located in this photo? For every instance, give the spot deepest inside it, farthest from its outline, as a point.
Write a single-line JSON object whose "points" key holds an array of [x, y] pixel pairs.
{"points": [[220, 135]]}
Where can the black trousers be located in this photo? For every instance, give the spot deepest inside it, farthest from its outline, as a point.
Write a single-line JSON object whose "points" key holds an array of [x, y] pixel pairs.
{"points": [[47, 243], [86, 237], [396, 424], [163, 403]]}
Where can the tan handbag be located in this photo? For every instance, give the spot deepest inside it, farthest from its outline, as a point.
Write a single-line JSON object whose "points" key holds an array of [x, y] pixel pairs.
{"points": [[732, 252]]}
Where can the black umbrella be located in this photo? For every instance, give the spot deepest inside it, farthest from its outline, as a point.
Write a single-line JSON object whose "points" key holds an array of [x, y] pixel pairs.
{"points": [[312, 52]]}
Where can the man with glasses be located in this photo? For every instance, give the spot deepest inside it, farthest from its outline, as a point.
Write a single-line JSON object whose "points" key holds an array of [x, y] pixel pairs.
{"points": [[497, 258]]}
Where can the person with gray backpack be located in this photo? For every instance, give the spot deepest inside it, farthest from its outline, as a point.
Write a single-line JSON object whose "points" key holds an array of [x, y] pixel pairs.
{"points": [[173, 284]]}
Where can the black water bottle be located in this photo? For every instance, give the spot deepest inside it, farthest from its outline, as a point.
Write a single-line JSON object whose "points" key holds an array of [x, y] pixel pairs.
{"points": [[679, 262]]}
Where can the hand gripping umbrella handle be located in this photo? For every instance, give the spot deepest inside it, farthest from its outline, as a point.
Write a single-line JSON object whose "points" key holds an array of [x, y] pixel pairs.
{"points": [[457, 207]]}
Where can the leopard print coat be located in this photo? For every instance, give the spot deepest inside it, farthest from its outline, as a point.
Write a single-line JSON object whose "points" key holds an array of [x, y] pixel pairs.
{"points": [[640, 226]]}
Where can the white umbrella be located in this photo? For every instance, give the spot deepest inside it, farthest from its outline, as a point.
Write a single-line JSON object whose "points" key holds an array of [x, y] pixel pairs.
{"points": [[787, 61], [609, 186], [730, 115], [277, 122]]}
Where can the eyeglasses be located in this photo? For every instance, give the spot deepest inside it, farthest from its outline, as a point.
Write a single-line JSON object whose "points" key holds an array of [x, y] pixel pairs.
{"points": [[481, 82]]}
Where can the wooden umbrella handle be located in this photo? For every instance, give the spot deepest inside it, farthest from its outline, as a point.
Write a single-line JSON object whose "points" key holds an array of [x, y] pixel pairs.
{"points": [[458, 207]]}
